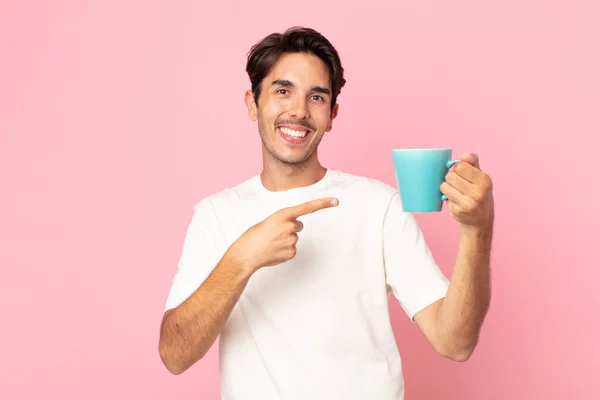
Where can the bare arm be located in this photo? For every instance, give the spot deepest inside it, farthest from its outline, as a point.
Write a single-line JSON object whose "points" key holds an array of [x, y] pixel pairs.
{"points": [[188, 331], [452, 325]]}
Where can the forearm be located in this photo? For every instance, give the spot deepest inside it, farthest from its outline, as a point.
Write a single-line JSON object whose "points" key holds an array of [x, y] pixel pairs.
{"points": [[188, 331], [465, 306]]}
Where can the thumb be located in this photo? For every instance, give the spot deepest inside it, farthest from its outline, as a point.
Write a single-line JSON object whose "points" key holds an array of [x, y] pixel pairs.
{"points": [[470, 158]]}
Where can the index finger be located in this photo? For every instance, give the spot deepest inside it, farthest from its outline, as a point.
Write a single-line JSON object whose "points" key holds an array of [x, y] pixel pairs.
{"points": [[311, 206]]}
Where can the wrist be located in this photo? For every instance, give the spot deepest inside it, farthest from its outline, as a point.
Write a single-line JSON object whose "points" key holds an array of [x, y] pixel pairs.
{"points": [[241, 263], [482, 231]]}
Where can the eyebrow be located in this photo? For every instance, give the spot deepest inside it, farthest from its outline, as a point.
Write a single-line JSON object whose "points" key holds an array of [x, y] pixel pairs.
{"points": [[286, 83]]}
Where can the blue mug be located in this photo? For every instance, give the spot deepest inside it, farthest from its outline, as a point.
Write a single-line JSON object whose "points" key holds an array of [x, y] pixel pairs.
{"points": [[419, 175]]}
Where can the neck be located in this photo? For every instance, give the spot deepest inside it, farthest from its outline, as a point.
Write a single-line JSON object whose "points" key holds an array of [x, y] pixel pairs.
{"points": [[277, 176]]}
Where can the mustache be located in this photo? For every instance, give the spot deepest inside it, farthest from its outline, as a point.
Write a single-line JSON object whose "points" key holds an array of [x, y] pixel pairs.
{"points": [[299, 122]]}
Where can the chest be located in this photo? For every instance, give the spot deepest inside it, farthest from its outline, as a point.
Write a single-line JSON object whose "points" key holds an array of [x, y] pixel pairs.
{"points": [[338, 257]]}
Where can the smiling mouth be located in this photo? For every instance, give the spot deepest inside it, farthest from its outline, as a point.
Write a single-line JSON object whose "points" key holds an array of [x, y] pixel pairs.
{"points": [[293, 133]]}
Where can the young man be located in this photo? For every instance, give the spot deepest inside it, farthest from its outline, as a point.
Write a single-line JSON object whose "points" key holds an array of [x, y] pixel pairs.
{"points": [[293, 267]]}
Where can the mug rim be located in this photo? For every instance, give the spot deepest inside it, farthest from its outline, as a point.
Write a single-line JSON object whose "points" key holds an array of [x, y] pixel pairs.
{"points": [[423, 149]]}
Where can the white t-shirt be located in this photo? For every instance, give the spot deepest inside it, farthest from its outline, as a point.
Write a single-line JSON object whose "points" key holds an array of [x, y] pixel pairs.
{"points": [[316, 326]]}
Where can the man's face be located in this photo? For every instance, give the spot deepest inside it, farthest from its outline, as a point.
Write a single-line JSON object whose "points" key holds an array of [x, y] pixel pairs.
{"points": [[294, 107]]}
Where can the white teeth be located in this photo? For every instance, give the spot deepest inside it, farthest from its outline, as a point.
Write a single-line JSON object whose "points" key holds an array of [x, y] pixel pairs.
{"points": [[293, 133]]}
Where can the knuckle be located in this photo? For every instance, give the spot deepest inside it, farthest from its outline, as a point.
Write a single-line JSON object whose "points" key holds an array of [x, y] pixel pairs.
{"points": [[477, 197], [470, 205], [487, 181], [454, 209], [279, 214]]}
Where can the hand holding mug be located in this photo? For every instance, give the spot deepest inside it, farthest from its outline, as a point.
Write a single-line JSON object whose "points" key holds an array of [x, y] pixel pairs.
{"points": [[469, 193]]}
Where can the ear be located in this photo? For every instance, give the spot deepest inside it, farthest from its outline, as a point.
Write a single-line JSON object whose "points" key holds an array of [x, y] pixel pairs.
{"points": [[251, 105], [334, 114]]}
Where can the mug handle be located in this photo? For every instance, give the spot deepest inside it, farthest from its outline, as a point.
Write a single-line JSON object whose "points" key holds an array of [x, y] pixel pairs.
{"points": [[449, 163]]}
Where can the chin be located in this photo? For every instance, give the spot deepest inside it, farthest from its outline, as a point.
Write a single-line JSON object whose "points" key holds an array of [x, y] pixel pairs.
{"points": [[292, 160]]}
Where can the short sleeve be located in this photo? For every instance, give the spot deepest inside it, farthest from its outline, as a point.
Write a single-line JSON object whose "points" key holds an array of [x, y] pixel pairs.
{"points": [[198, 257], [411, 271]]}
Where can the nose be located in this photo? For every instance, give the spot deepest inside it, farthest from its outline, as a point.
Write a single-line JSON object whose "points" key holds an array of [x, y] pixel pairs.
{"points": [[299, 108]]}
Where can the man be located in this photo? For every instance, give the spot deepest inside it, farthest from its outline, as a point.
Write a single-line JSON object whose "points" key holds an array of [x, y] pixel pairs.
{"points": [[293, 267]]}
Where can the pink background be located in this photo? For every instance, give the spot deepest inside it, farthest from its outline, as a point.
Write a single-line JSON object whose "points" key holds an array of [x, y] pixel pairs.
{"points": [[117, 117]]}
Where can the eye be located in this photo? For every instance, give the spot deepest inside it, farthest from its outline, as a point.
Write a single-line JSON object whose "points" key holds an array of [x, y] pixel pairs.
{"points": [[318, 98], [282, 91]]}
